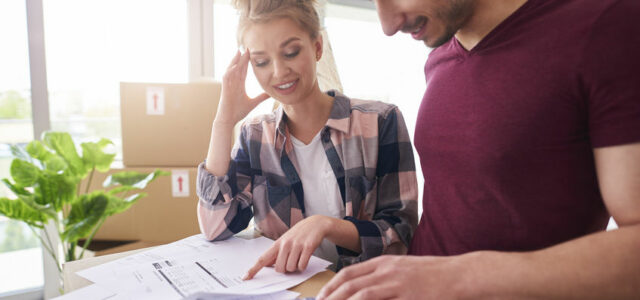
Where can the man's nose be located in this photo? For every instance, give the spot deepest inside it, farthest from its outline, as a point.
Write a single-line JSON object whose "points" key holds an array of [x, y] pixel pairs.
{"points": [[391, 20]]}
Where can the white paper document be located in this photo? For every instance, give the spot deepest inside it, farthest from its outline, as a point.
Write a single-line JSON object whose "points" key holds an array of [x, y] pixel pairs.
{"points": [[192, 265]]}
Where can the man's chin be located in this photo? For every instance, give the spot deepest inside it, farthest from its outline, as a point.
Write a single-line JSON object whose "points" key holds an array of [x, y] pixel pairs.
{"points": [[428, 44], [435, 43]]}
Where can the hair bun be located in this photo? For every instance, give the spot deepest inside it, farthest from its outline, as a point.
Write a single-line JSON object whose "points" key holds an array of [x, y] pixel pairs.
{"points": [[303, 12]]}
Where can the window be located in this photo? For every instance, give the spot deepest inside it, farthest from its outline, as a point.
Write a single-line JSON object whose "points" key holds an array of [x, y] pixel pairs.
{"points": [[225, 46], [19, 248], [103, 42]]}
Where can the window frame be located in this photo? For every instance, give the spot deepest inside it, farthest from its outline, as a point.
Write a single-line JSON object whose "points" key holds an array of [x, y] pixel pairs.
{"points": [[200, 27], [39, 105]]}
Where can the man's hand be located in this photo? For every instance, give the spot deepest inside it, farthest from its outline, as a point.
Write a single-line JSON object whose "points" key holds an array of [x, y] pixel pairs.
{"points": [[292, 251], [398, 277]]}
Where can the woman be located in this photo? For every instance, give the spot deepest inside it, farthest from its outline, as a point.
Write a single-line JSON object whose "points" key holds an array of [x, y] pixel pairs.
{"points": [[322, 170]]}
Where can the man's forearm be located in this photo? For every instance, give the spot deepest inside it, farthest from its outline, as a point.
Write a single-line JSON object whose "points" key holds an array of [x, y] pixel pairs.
{"points": [[604, 265]]}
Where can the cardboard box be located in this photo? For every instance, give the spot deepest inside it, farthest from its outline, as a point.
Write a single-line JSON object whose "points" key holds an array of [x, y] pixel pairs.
{"points": [[167, 124], [166, 214]]}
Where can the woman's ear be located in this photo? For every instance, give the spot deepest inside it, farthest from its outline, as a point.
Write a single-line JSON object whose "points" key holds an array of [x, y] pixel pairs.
{"points": [[319, 44]]}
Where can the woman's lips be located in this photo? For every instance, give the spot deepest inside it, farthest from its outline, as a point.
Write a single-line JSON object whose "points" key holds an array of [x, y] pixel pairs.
{"points": [[286, 87]]}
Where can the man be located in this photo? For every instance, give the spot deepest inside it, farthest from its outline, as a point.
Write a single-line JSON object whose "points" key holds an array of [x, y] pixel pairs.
{"points": [[528, 136]]}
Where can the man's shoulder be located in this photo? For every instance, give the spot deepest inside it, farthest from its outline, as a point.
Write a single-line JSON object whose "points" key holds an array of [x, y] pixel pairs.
{"points": [[623, 13], [588, 12]]}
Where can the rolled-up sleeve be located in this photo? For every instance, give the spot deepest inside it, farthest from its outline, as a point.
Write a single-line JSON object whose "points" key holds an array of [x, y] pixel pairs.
{"points": [[224, 206], [390, 229]]}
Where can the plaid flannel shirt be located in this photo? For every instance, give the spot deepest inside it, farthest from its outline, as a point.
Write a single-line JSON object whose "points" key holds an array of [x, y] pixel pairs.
{"points": [[369, 150]]}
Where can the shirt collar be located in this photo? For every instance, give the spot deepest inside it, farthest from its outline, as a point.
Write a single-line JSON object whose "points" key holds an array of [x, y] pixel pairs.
{"points": [[339, 118]]}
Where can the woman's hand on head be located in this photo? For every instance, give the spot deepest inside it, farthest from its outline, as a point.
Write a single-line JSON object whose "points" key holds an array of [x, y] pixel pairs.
{"points": [[235, 104], [292, 251]]}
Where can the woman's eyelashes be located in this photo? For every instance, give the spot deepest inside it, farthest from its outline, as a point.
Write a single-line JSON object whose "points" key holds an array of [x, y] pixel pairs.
{"points": [[292, 54], [287, 55], [260, 62]]}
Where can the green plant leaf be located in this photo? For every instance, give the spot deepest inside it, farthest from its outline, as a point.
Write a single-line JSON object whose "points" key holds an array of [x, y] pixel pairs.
{"points": [[55, 189], [85, 214], [46, 191], [56, 163], [18, 210], [133, 178], [16, 190], [30, 201], [38, 151], [121, 189], [104, 142], [67, 188], [93, 155], [52, 161], [20, 153], [63, 145], [24, 173], [118, 205], [126, 178]]}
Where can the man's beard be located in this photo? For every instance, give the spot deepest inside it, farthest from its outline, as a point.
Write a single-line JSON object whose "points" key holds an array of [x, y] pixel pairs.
{"points": [[454, 16]]}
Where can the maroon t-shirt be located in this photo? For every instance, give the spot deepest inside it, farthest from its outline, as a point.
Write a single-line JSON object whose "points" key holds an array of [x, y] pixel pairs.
{"points": [[506, 131]]}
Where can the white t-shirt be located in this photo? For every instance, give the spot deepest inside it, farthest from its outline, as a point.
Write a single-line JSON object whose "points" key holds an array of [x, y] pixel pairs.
{"points": [[321, 191]]}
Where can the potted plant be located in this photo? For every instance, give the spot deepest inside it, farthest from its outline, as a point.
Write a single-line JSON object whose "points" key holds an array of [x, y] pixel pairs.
{"points": [[46, 177]]}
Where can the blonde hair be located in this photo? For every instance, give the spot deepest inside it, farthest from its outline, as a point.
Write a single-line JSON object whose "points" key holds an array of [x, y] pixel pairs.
{"points": [[302, 12]]}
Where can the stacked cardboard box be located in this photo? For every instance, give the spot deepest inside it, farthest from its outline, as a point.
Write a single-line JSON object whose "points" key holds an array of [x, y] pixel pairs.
{"points": [[167, 127]]}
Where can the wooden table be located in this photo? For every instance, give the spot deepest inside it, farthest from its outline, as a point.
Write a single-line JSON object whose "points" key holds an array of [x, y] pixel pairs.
{"points": [[72, 281]]}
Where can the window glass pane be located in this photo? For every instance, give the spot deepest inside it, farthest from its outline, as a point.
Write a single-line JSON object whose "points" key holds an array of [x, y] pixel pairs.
{"points": [[225, 22], [20, 254], [15, 94], [93, 45]]}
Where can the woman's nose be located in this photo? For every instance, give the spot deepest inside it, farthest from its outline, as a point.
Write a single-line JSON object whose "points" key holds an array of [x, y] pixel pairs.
{"points": [[280, 69]]}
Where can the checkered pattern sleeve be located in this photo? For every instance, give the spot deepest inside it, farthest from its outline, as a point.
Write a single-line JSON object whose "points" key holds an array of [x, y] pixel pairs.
{"points": [[224, 207], [395, 192]]}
